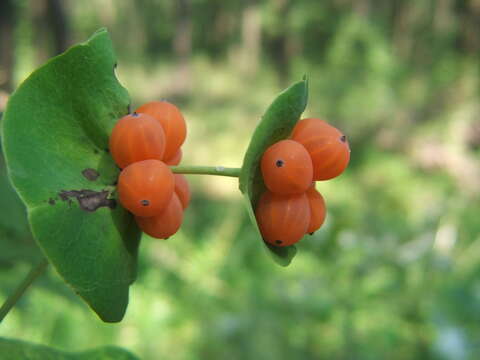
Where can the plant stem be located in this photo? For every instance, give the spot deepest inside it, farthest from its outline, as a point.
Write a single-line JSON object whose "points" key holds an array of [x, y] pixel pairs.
{"points": [[35, 272], [206, 170]]}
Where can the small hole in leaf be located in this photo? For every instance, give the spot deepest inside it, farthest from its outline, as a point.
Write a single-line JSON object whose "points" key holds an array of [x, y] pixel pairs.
{"points": [[280, 163], [145, 202]]}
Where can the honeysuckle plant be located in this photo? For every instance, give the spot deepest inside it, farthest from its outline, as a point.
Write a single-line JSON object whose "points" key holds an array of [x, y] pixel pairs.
{"points": [[55, 133]]}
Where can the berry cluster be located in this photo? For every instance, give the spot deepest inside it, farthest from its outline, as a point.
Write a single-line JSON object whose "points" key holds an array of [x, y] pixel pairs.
{"points": [[143, 144], [292, 207]]}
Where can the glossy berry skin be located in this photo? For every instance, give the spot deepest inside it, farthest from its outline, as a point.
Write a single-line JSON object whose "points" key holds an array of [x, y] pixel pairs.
{"points": [[137, 137], [287, 168], [283, 219], [327, 146], [172, 122], [182, 189], [146, 187], [175, 159], [166, 223], [318, 210]]}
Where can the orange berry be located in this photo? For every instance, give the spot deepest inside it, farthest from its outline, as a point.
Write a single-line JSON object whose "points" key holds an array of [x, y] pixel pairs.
{"points": [[283, 219], [287, 168], [146, 187], [318, 210], [137, 137], [166, 223], [327, 146], [175, 159], [182, 189], [172, 122]]}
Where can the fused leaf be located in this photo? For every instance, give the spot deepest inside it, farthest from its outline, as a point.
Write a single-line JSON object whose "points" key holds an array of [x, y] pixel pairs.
{"points": [[277, 124], [55, 141]]}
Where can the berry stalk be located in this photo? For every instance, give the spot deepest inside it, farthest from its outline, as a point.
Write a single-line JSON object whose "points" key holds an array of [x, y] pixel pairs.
{"points": [[34, 273], [206, 170]]}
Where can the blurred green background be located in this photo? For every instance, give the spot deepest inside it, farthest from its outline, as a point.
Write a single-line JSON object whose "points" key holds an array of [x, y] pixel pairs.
{"points": [[395, 271]]}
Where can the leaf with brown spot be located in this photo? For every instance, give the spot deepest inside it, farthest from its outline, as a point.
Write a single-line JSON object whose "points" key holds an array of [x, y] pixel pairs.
{"points": [[52, 122]]}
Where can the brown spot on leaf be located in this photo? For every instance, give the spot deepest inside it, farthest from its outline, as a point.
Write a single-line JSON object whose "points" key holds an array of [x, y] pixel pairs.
{"points": [[89, 200], [90, 174]]}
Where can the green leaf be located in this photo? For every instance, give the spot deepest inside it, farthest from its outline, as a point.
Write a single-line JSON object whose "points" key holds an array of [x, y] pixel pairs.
{"points": [[277, 124], [55, 138], [11, 349], [12, 212], [16, 242]]}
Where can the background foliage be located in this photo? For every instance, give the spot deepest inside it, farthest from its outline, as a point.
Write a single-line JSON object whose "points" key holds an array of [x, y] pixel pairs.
{"points": [[395, 271]]}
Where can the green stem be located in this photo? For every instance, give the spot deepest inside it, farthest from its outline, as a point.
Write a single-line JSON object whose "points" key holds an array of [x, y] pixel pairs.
{"points": [[206, 170], [35, 272]]}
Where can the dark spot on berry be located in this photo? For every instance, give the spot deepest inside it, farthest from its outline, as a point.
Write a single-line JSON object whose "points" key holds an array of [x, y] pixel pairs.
{"points": [[343, 138], [278, 241], [135, 114], [145, 202], [280, 163], [313, 232]]}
